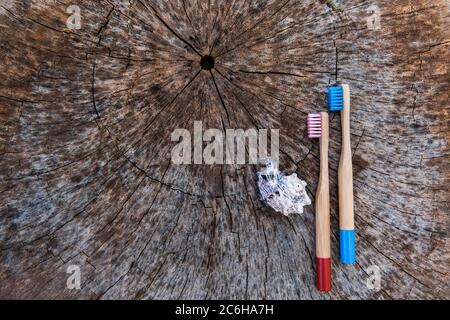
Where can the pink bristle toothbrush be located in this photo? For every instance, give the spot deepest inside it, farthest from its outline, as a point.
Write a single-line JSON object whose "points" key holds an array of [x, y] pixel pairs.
{"points": [[318, 128]]}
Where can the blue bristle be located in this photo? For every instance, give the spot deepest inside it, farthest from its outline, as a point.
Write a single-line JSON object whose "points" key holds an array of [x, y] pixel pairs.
{"points": [[335, 98]]}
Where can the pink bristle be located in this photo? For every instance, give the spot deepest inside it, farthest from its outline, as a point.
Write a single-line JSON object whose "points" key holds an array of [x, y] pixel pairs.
{"points": [[314, 125]]}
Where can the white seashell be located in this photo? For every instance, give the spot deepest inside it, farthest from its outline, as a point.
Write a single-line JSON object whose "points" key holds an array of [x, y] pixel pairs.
{"points": [[284, 194]]}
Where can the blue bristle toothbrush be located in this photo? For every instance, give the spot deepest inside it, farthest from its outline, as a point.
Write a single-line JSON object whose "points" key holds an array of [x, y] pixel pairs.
{"points": [[339, 100]]}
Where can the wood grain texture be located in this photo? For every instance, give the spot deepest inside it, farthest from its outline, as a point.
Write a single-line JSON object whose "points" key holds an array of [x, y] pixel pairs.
{"points": [[85, 123]]}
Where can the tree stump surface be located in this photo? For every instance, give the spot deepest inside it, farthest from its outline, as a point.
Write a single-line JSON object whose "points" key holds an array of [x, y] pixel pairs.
{"points": [[86, 177]]}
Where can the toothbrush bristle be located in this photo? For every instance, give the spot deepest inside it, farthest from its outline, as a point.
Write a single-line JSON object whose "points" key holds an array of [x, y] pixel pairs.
{"points": [[314, 124], [335, 98]]}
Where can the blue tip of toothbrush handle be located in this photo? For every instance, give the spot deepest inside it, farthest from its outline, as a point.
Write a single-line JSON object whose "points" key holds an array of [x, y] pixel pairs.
{"points": [[347, 246]]}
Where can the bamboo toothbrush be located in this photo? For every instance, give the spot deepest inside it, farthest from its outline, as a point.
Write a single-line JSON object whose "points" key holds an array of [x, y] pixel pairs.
{"points": [[339, 100], [318, 128]]}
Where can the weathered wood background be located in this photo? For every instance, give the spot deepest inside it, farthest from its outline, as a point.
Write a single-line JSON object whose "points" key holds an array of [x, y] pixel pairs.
{"points": [[85, 123]]}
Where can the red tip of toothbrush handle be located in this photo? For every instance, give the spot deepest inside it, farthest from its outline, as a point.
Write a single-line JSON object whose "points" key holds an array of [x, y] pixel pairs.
{"points": [[323, 266]]}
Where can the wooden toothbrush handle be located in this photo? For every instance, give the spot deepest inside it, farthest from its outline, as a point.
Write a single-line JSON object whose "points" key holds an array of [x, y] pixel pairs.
{"points": [[323, 196], [345, 173]]}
